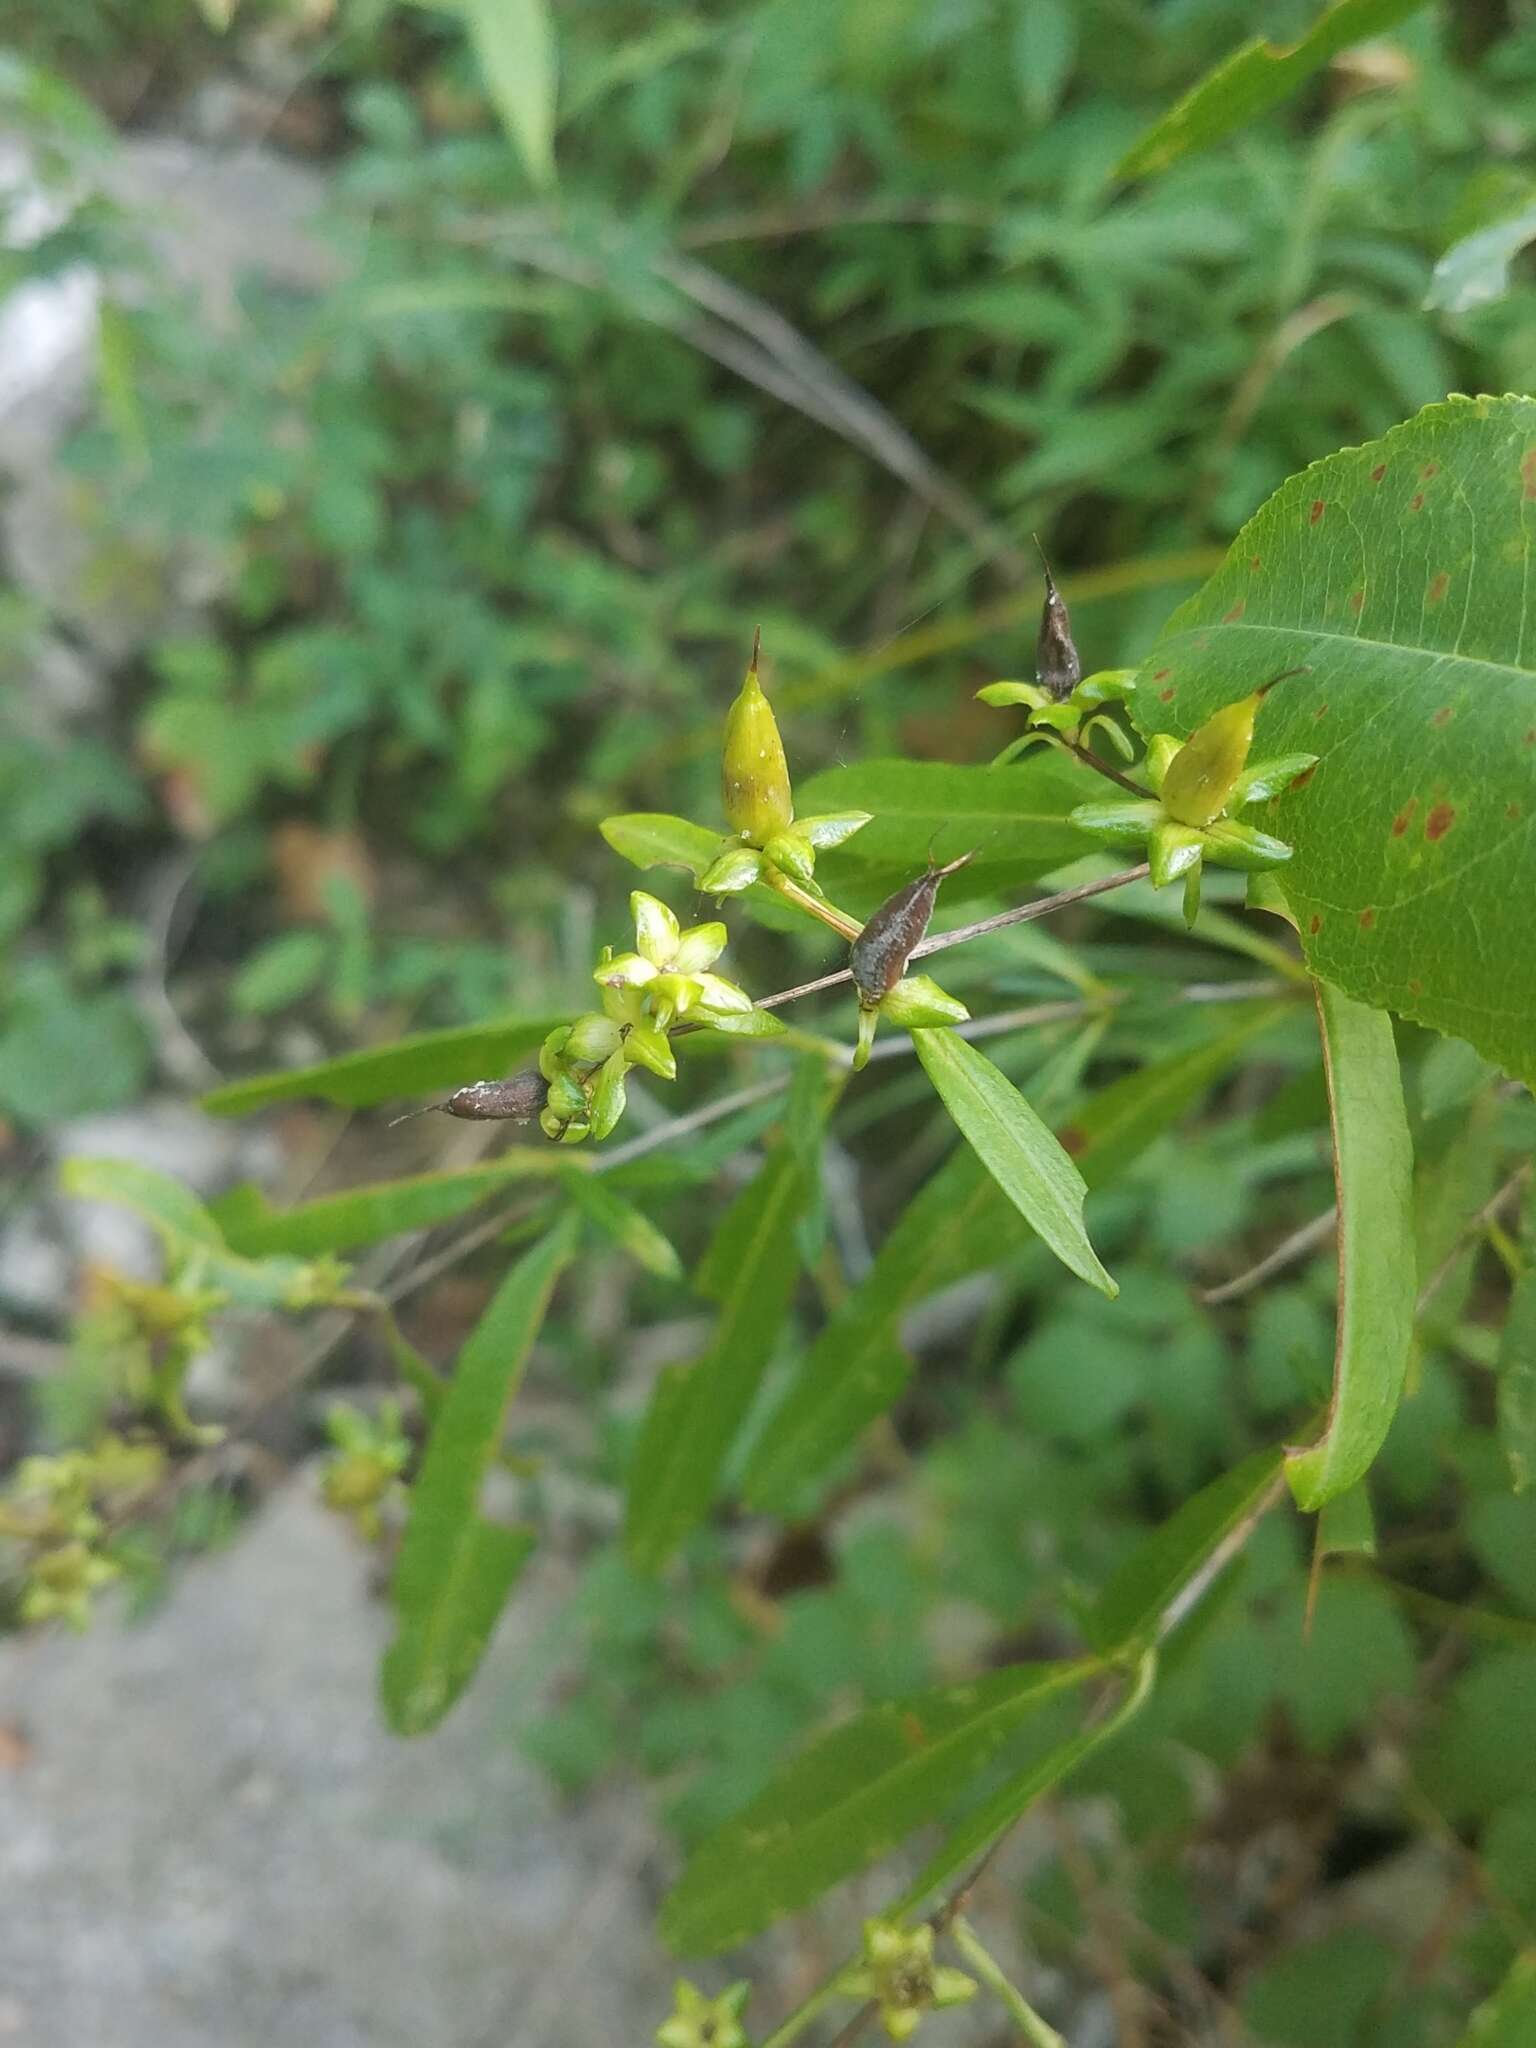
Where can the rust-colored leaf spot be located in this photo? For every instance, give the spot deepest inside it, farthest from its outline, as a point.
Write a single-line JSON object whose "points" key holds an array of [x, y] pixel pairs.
{"points": [[1528, 472], [1254, 561], [1416, 987], [1439, 821], [1530, 736], [1404, 817], [1367, 919], [1430, 469], [1231, 618], [1321, 711], [1165, 696], [1318, 509], [1512, 811], [1356, 601], [1073, 1138], [1416, 501], [1378, 472], [1304, 777], [1444, 715], [913, 1733], [1316, 925], [1161, 673], [1439, 584]]}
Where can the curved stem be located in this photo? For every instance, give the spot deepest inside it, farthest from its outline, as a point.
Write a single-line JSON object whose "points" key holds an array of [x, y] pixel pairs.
{"points": [[1031, 2026]]}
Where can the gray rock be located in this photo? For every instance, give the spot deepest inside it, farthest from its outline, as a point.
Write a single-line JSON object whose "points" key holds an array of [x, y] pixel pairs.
{"points": [[213, 1839]]}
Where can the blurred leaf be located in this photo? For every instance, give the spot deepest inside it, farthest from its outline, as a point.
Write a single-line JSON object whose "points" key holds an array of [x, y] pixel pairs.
{"points": [[410, 1066], [1374, 1171], [849, 1799], [366, 1215], [280, 972], [514, 43], [1393, 573], [697, 1411], [1517, 1361], [1319, 1993], [1043, 45], [1346, 1524], [455, 1569], [1254, 78], [1132, 1607], [1475, 271], [1508, 2018], [179, 1218], [1022, 1155], [629, 1228]]}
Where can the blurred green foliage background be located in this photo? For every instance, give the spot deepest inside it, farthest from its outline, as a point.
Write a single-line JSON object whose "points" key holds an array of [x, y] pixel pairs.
{"points": [[432, 542]]}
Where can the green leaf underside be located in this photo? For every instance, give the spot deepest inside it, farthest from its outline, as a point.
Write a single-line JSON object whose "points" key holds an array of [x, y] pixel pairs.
{"points": [[514, 46], [1373, 1157], [958, 1223], [456, 1569], [411, 1066], [697, 1411], [1013, 818], [1019, 1151], [367, 1215], [1131, 1607], [1255, 77], [1400, 574], [850, 1799]]}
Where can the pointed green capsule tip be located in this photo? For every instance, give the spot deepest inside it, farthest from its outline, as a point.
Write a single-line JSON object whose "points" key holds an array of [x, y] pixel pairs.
{"points": [[1204, 772], [754, 773]]}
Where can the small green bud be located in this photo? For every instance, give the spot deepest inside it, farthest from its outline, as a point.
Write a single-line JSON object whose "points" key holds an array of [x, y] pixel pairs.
{"points": [[900, 1974], [656, 929], [552, 1051], [755, 782], [567, 1097]]}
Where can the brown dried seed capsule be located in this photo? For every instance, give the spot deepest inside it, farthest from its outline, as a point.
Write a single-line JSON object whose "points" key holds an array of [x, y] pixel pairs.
{"points": [[518, 1099], [878, 956], [1058, 667]]}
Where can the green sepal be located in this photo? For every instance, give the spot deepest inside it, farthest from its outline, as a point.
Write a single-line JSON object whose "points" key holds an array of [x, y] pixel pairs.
{"points": [[1243, 846], [735, 869], [646, 1046], [1268, 778], [1119, 738], [1161, 749], [832, 827], [551, 1049], [868, 1023], [917, 1002], [567, 1097], [1172, 851], [1004, 693], [608, 1097], [1120, 821], [792, 854], [591, 1038]]}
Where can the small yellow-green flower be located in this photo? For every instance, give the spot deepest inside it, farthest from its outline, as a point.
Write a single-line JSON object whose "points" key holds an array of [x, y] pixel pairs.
{"points": [[668, 974], [700, 2022], [1199, 783], [361, 1480], [899, 1973]]}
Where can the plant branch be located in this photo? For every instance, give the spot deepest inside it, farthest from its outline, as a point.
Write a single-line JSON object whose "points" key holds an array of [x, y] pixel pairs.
{"points": [[1091, 760], [1473, 1228], [1031, 2026], [1286, 1253]]}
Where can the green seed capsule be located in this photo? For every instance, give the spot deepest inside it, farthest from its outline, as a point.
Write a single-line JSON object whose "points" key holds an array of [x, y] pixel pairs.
{"points": [[1204, 772], [754, 773]]}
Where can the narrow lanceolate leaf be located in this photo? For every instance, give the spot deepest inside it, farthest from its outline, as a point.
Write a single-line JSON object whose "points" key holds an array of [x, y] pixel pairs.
{"points": [[958, 1223], [367, 1215], [850, 1799], [1256, 76], [628, 1227], [980, 1829], [1139, 1601], [654, 839], [1373, 1168], [455, 1568], [697, 1411], [178, 1217], [514, 44], [1475, 270], [1014, 819], [1021, 1154], [1398, 575], [1517, 1362], [427, 1063]]}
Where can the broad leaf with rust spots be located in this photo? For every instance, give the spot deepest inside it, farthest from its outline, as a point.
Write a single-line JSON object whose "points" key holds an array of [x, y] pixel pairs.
{"points": [[1403, 576]]}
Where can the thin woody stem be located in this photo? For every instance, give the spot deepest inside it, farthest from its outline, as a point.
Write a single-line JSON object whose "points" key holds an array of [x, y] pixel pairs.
{"points": [[1091, 760], [1021, 913]]}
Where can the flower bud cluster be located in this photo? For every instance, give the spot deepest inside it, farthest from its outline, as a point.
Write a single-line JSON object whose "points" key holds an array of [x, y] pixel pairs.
{"points": [[54, 1524]]}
